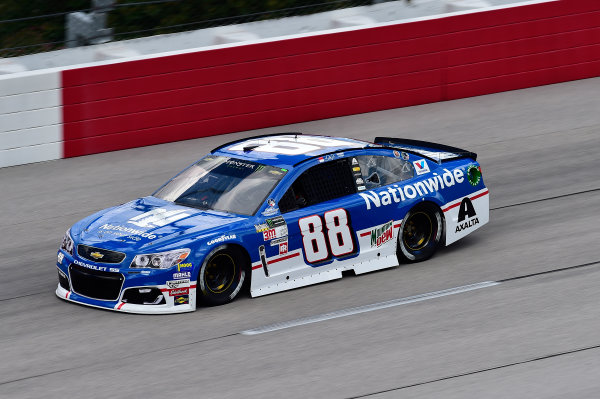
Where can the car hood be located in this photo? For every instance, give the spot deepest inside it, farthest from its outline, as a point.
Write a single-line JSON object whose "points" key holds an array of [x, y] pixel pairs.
{"points": [[151, 222]]}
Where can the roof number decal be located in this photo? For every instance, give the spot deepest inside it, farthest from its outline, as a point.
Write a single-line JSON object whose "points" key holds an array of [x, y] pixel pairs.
{"points": [[292, 145]]}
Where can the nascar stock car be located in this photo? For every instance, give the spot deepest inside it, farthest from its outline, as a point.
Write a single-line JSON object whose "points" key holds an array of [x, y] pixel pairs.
{"points": [[272, 213]]}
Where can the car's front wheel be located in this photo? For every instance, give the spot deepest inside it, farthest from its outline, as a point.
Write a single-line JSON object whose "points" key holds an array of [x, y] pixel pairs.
{"points": [[221, 276], [420, 234]]}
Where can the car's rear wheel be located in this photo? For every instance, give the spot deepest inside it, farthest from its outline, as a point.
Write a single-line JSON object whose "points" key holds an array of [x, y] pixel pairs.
{"points": [[221, 276], [420, 234]]}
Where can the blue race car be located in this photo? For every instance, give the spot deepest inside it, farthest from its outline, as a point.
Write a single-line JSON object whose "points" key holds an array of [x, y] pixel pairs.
{"points": [[272, 213]]}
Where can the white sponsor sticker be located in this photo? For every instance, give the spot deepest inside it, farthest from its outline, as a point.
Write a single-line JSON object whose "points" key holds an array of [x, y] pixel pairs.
{"points": [[421, 167], [177, 283]]}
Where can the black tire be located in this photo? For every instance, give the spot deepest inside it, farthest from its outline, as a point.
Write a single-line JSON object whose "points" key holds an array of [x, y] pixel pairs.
{"points": [[221, 276], [420, 235]]}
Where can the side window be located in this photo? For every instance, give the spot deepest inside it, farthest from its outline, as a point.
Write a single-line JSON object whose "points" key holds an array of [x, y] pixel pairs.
{"points": [[320, 183], [378, 170]]}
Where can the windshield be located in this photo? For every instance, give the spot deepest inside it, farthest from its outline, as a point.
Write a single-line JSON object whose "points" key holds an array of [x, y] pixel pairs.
{"points": [[223, 184]]}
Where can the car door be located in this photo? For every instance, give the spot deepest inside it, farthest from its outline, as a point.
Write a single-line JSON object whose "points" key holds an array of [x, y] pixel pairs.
{"points": [[318, 209]]}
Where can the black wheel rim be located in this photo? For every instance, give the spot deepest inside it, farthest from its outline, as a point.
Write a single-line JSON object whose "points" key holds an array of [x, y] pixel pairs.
{"points": [[219, 273], [417, 231]]}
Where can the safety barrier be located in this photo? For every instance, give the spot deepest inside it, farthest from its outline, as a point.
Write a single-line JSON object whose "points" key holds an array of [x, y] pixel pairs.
{"points": [[239, 87]]}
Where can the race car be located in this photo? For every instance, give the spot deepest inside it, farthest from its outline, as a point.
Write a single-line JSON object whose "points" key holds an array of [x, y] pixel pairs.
{"points": [[271, 213]]}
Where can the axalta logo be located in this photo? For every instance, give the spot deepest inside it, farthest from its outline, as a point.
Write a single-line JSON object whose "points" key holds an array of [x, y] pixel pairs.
{"points": [[409, 191], [221, 239], [383, 234], [158, 217], [127, 230], [466, 211]]}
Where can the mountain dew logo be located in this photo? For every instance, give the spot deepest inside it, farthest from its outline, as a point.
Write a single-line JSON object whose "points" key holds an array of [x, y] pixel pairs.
{"points": [[381, 235], [473, 175]]}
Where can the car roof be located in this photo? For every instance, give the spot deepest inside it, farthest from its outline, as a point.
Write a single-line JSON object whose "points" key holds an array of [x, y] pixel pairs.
{"points": [[301, 147]]}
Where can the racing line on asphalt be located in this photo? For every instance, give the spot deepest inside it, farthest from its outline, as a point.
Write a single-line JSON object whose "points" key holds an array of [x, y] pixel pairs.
{"points": [[569, 352], [364, 309]]}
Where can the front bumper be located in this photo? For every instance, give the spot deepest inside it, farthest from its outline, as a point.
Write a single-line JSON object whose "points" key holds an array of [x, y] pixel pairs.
{"points": [[90, 293], [120, 306]]}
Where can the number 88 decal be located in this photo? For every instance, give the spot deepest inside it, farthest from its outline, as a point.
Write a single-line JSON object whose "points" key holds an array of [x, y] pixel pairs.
{"points": [[318, 244]]}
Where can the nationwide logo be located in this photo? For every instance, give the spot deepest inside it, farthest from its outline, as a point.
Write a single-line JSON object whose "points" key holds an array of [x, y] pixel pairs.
{"points": [[128, 230], [421, 167], [383, 234], [396, 194]]}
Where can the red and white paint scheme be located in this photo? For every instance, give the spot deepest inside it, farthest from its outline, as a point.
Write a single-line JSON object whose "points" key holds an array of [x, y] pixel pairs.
{"points": [[153, 99]]}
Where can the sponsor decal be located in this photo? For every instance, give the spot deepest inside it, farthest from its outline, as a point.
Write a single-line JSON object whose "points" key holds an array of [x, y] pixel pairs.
{"points": [[330, 157], [94, 267], [157, 218], [340, 154], [270, 211], [96, 255], [221, 239], [396, 153], [134, 238], [181, 275], [183, 266], [278, 241], [234, 163], [360, 181], [361, 188], [421, 167], [261, 227], [396, 194], [383, 234], [404, 156], [179, 291], [115, 229], [473, 175], [354, 161], [356, 168], [277, 232], [181, 300], [275, 172], [283, 248], [466, 211], [60, 257], [177, 283], [275, 222]]}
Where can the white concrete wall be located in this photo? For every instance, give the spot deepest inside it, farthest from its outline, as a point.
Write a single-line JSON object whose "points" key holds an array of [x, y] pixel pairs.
{"points": [[30, 117]]}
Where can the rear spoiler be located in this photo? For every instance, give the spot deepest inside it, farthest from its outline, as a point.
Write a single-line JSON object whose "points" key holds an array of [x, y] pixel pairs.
{"points": [[436, 152]]}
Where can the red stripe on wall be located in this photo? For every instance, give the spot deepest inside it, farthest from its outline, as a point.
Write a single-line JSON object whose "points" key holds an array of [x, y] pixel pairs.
{"points": [[162, 99]]}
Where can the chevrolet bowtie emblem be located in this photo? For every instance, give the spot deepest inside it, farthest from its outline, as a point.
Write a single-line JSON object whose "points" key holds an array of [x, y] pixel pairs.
{"points": [[96, 255]]}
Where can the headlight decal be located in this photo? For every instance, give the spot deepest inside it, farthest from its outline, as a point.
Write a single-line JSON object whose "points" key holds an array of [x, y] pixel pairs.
{"points": [[160, 260]]}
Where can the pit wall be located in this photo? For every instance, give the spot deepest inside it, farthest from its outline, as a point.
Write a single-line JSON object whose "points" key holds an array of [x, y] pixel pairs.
{"points": [[275, 82]]}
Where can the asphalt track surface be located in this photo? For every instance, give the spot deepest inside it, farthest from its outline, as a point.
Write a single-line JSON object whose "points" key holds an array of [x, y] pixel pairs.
{"points": [[533, 335]]}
